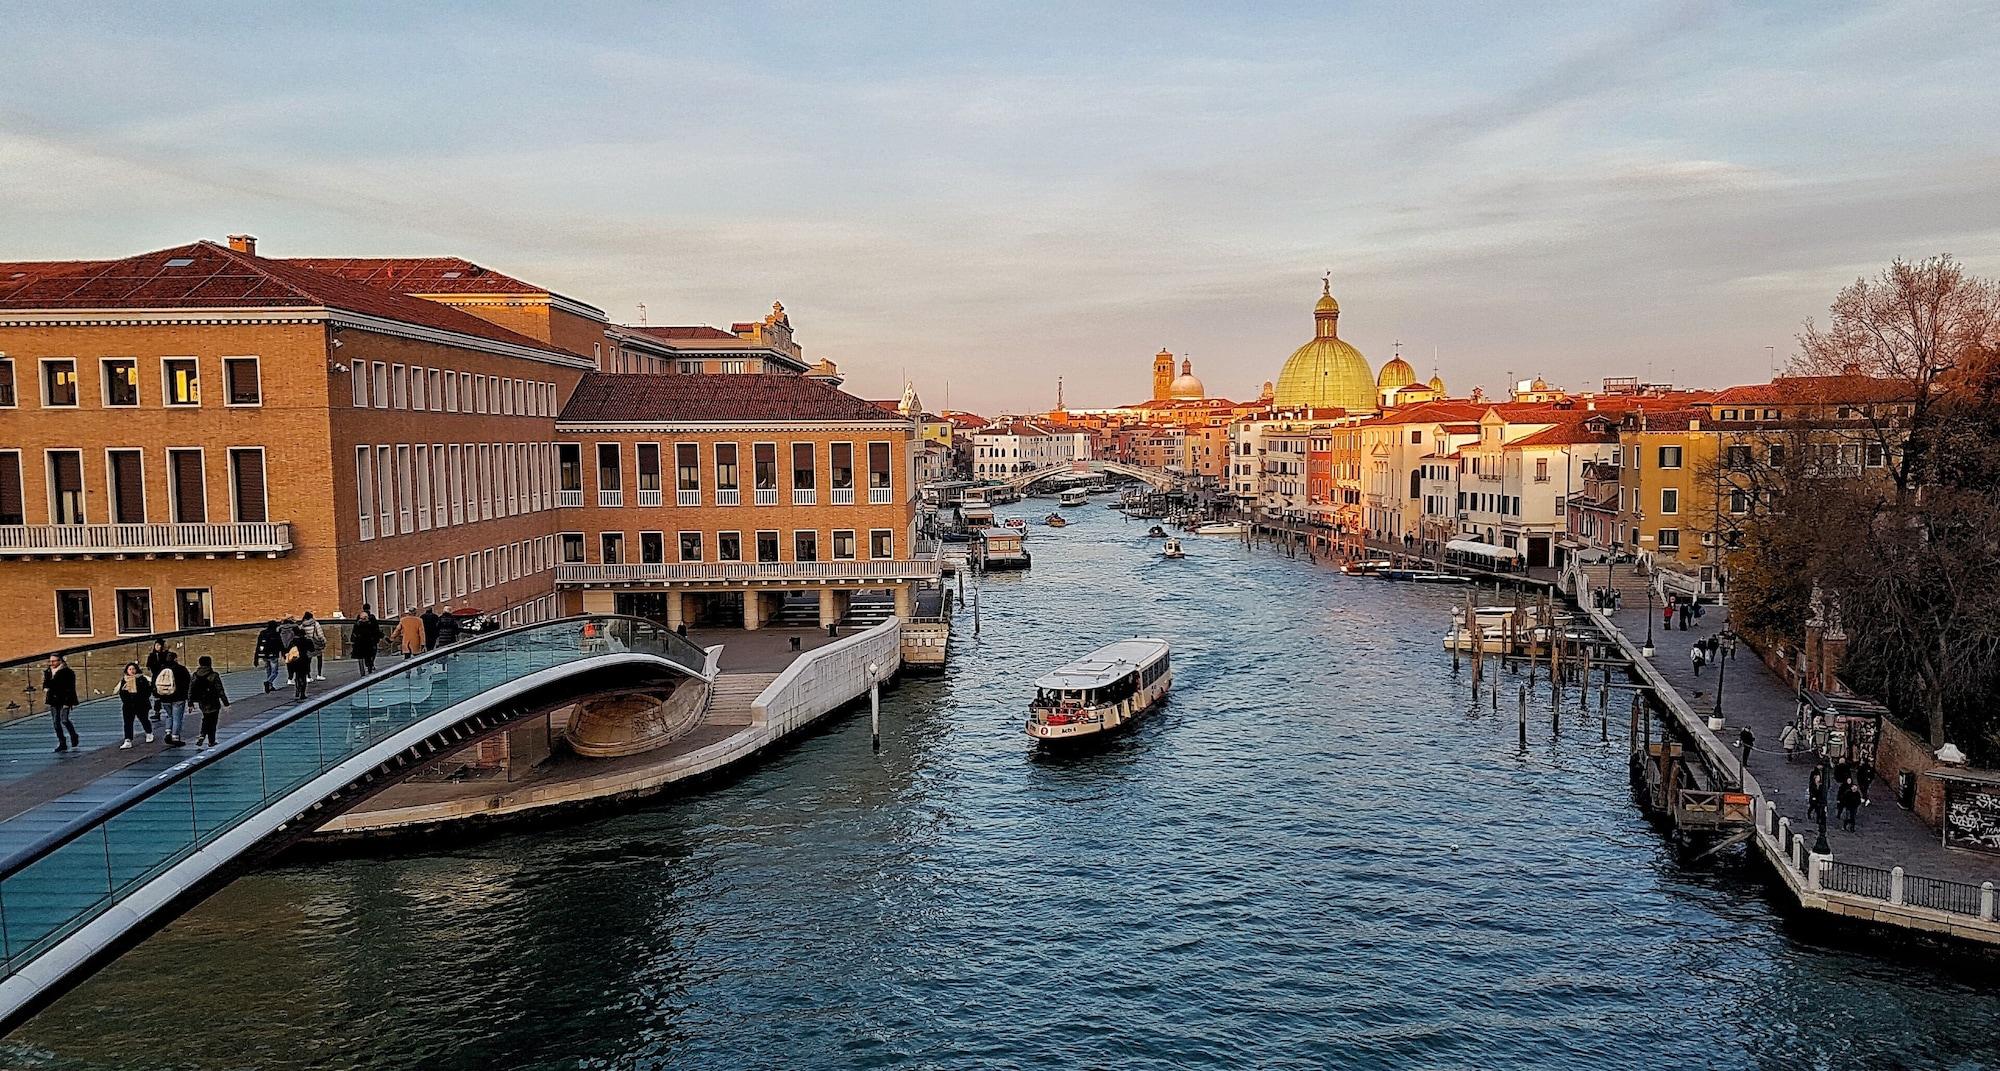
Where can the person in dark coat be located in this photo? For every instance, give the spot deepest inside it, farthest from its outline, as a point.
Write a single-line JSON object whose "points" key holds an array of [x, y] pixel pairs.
{"points": [[447, 630], [1850, 804], [156, 659], [170, 686], [135, 701], [1816, 794], [205, 691], [59, 692], [298, 662], [271, 652], [430, 619], [367, 636]]}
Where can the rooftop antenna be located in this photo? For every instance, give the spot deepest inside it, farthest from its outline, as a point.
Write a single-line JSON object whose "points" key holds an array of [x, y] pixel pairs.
{"points": [[642, 314], [1773, 351]]}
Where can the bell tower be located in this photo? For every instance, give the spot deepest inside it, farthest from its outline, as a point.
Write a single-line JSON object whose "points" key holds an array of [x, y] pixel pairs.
{"points": [[1163, 375]]}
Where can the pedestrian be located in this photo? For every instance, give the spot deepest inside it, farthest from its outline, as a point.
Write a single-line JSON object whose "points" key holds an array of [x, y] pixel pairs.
{"points": [[430, 620], [1699, 656], [298, 662], [1850, 804], [135, 701], [315, 634], [205, 691], [448, 628], [1816, 794], [59, 692], [171, 685], [270, 651], [1667, 617], [366, 636], [410, 633], [1864, 776], [1687, 613], [156, 660], [1789, 739]]}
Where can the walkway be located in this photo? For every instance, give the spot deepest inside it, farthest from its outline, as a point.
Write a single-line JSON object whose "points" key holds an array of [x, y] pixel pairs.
{"points": [[1754, 697]]}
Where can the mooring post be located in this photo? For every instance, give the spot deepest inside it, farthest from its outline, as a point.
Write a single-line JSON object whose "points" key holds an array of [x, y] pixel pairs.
{"points": [[875, 706], [1524, 717]]}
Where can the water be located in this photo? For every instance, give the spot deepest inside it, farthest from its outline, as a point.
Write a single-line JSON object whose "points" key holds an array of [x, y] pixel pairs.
{"points": [[1316, 856]]}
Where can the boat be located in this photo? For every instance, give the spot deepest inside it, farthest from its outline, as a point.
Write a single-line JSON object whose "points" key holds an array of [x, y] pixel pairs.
{"points": [[1367, 568], [1003, 549], [1155, 532], [1222, 528], [1103, 691], [1015, 523], [977, 514], [1056, 520], [1422, 576], [1172, 548], [1075, 496]]}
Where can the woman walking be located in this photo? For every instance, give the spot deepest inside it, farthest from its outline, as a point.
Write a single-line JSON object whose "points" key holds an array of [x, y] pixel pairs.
{"points": [[59, 692], [135, 700], [410, 630], [206, 692], [298, 662]]}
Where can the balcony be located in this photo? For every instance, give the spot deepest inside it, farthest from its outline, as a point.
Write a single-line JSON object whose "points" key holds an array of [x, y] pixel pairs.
{"points": [[751, 573], [269, 538], [804, 496], [880, 496], [729, 496], [843, 496], [651, 497], [687, 497], [569, 499], [767, 496], [611, 498]]}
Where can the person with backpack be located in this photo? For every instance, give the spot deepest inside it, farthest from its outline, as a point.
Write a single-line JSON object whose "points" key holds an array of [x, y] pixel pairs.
{"points": [[59, 692], [171, 684], [367, 636], [315, 634], [156, 659], [447, 630], [205, 691], [135, 701], [298, 662], [270, 652]]}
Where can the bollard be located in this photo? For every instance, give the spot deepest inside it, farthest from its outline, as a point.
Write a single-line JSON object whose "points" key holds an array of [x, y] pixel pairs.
{"points": [[875, 708], [1986, 900], [1524, 718], [1603, 694], [1603, 725], [1896, 885]]}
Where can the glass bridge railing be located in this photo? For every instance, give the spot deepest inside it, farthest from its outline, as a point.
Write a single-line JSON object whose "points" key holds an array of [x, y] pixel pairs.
{"points": [[58, 884]]}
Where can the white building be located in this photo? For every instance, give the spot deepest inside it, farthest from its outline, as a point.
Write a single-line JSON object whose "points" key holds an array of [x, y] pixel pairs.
{"points": [[1009, 448]]}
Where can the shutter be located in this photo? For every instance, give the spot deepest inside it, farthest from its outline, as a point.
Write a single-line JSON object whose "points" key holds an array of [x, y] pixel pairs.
{"points": [[249, 466], [128, 491], [190, 506], [242, 381], [10, 490]]}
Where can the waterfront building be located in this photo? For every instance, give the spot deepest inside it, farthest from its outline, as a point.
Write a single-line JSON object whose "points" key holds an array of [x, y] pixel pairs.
{"points": [[756, 347], [1269, 461], [1015, 446], [1393, 450]]}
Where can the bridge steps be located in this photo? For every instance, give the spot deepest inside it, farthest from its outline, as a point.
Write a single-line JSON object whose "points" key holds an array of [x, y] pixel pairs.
{"points": [[729, 702]]}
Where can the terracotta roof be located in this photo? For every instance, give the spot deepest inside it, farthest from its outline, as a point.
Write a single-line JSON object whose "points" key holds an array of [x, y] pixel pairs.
{"points": [[1438, 409], [606, 397], [15, 274], [1817, 390], [1567, 433], [203, 275], [418, 275], [1666, 420], [1018, 427], [682, 333]]}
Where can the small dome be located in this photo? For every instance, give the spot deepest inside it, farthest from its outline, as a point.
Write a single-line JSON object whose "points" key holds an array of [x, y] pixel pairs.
{"points": [[1437, 383], [1186, 385], [1395, 375]]}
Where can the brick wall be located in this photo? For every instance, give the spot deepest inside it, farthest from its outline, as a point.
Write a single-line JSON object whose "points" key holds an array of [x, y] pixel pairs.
{"points": [[1900, 751]]}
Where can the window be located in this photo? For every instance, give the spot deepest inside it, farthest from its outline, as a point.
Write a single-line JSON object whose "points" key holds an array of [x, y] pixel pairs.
{"points": [[728, 489], [450, 391], [647, 456], [1739, 501], [13, 501], [246, 484], [73, 612], [689, 368], [66, 487], [611, 548], [6, 383], [371, 595], [690, 546], [569, 467], [380, 379], [432, 390], [187, 497], [357, 381], [1670, 457], [58, 383], [241, 381], [652, 548], [1541, 470], [729, 546], [840, 472], [1670, 500], [399, 388], [1877, 455], [767, 546], [127, 483], [572, 548], [764, 461], [1775, 455], [805, 545], [1670, 539], [194, 608], [180, 378], [458, 571], [427, 584], [878, 473], [843, 544], [1770, 414], [121, 382], [610, 486], [687, 474], [405, 491], [392, 594], [881, 544], [802, 470]]}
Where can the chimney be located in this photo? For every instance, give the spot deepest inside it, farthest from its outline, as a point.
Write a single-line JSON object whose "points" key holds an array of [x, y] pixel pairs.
{"points": [[244, 243]]}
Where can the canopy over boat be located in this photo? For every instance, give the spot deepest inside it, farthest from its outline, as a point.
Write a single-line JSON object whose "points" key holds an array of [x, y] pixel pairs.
{"points": [[1482, 550], [1101, 667]]}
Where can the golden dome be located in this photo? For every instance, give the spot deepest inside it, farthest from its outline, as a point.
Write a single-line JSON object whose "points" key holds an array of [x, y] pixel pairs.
{"points": [[1437, 383], [1396, 375], [1326, 372], [1186, 385]]}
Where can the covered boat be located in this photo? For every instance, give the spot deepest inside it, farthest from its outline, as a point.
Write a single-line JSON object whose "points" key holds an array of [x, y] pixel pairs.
{"points": [[1101, 692]]}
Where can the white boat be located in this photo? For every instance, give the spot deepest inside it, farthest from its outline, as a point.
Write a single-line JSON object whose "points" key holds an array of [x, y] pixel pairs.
{"points": [[1103, 691], [1075, 496], [1172, 548], [1015, 523], [1222, 528]]}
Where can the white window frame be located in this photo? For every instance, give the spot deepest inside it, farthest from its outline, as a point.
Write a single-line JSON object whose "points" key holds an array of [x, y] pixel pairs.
{"points": [[255, 363], [118, 613], [42, 383], [13, 384], [378, 382], [111, 486], [173, 492], [264, 465], [458, 572], [420, 463], [89, 609], [451, 390], [405, 489], [104, 392], [385, 491], [364, 489], [399, 387]]}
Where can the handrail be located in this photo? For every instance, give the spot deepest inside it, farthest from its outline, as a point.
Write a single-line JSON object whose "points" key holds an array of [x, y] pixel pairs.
{"points": [[673, 648]]}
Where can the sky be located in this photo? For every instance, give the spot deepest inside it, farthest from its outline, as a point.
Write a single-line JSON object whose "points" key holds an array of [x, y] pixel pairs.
{"points": [[984, 198]]}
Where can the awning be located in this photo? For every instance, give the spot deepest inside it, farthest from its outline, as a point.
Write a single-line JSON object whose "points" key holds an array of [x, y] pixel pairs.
{"points": [[1482, 550]]}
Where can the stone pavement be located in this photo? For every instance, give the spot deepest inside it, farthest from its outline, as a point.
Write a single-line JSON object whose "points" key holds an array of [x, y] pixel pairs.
{"points": [[1753, 696]]}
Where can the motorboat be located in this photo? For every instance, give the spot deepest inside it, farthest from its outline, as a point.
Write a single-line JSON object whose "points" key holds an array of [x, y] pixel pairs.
{"points": [[1056, 520], [1228, 528], [1422, 576], [1075, 496], [1101, 692], [1172, 548], [1156, 532], [1015, 523], [1371, 567]]}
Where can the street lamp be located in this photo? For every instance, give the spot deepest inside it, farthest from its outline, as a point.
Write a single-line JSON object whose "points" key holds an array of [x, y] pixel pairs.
{"points": [[1648, 649], [1722, 666]]}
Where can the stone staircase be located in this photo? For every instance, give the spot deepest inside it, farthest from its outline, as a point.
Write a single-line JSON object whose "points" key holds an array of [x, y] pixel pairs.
{"points": [[865, 611], [729, 700]]}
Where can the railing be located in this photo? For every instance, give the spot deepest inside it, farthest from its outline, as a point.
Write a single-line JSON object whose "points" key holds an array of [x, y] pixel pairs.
{"points": [[245, 537], [1856, 879], [569, 499], [650, 572], [881, 496], [843, 496], [824, 679], [804, 496], [686, 497], [729, 496], [651, 497], [75, 874], [611, 498], [767, 496]]}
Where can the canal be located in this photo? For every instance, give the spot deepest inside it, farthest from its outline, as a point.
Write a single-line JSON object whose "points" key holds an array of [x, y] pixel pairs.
{"points": [[1317, 856]]}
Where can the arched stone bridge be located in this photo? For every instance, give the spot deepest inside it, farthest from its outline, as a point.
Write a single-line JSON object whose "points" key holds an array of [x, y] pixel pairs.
{"points": [[1157, 479]]}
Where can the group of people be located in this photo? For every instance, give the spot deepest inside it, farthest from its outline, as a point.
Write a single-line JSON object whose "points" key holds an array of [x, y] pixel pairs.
{"points": [[1605, 598], [1709, 649], [1848, 788], [1683, 607], [297, 645]]}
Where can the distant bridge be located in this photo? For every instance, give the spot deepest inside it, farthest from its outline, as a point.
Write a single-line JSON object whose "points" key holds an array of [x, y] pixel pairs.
{"points": [[97, 881], [1157, 479]]}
